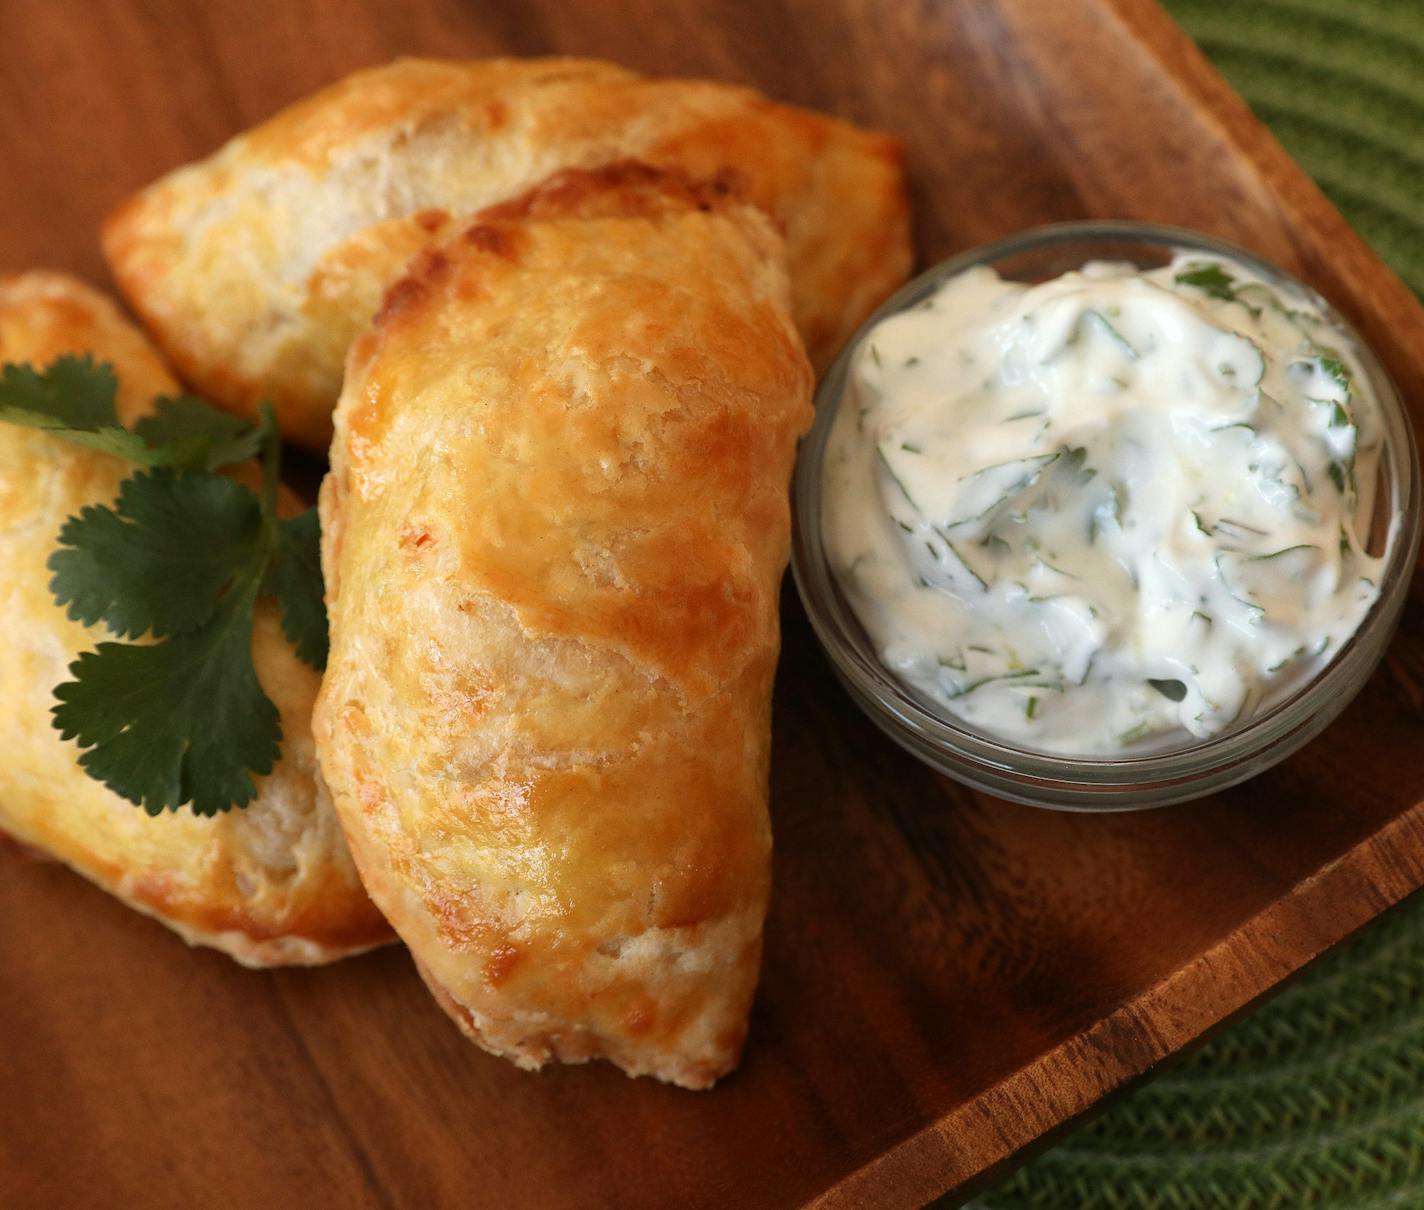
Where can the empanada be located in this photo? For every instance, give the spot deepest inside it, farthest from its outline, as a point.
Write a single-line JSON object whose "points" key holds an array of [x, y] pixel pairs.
{"points": [[271, 884], [554, 531], [256, 268]]}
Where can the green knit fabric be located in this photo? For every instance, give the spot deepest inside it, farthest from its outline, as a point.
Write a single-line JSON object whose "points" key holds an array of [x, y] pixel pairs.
{"points": [[1341, 83], [1316, 1100]]}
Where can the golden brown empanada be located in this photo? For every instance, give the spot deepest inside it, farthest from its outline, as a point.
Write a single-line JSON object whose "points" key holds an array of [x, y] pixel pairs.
{"points": [[271, 884], [554, 531], [257, 267]]}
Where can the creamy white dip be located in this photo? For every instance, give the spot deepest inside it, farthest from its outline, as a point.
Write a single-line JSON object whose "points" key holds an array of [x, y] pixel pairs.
{"points": [[1109, 512]]}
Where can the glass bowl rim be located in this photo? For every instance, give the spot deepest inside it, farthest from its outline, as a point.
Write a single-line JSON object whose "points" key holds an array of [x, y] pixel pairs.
{"points": [[931, 734]]}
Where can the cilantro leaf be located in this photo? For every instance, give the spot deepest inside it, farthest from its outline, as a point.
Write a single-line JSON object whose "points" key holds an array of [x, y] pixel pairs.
{"points": [[294, 578], [181, 721], [74, 398], [210, 438], [1212, 279], [160, 560], [73, 393]]}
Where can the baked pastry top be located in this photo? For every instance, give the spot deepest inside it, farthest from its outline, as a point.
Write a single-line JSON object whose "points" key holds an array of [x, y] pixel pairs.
{"points": [[554, 533], [271, 884], [257, 267]]}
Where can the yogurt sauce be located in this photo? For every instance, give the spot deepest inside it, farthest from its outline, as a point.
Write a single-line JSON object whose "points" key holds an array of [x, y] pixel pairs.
{"points": [[1106, 513]]}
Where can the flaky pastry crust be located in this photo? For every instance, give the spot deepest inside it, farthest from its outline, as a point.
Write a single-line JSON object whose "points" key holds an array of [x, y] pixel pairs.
{"points": [[272, 884], [257, 267], [554, 531]]}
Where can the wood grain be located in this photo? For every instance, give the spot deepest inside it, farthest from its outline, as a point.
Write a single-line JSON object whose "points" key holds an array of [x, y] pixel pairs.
{"points": [[947, 976]]}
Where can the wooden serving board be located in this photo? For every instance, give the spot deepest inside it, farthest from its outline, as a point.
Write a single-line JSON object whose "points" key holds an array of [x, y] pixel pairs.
{"points": [[947, 977]]}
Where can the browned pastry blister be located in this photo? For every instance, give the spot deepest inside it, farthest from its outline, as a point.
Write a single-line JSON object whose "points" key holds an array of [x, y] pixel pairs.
{"points": [[554, 532], [257, 267], [270, 885]]}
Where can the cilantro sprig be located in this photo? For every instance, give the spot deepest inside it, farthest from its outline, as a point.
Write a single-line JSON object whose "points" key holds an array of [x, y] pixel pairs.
{"points": [[75, 399], [178, 563]]}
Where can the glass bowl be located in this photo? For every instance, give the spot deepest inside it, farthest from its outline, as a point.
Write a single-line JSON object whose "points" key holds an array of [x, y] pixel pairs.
{"points": [[1100, 783]]}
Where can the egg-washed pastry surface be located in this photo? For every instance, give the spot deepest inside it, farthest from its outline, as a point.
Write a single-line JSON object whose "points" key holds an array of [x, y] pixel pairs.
{"points": [[257, 267], [553, 536], [271, 884]]}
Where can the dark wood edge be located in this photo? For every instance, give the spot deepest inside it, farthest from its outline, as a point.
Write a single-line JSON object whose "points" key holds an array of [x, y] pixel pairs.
{"points": [[987, 1178], [1068, 1080]]}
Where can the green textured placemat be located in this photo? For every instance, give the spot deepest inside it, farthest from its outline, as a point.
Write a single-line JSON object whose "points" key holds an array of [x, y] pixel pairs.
{"points": [[1318, 1098]]}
